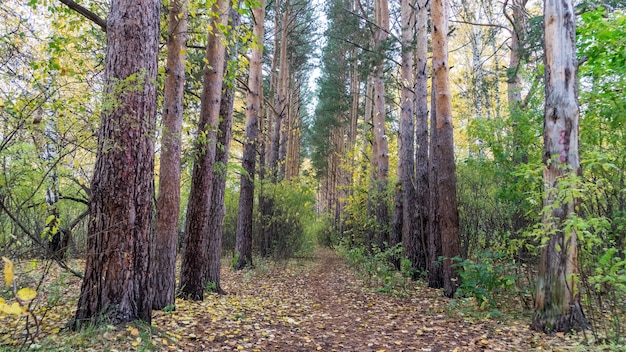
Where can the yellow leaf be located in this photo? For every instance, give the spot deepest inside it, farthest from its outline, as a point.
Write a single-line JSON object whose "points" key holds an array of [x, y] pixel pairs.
{"points": [[134, 343], [239, 347], [8, 271], [26, 294], [13, 309], [2, 302], [134, 332]]}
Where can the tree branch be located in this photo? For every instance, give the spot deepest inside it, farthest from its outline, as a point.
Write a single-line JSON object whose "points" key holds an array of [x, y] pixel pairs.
{"points": [[482, 24], [86, 13]]}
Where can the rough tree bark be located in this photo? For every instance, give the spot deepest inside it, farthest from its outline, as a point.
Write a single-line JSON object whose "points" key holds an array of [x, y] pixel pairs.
{"points": [[243, 246], [420, 253], [444, 149], [407, 152], [116, 287], [194, 258], [168, 200], [557, 302], [434, 267], [218, 208]]}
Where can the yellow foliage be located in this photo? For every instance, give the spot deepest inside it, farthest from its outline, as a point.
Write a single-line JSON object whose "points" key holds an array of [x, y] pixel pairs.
{"points": [[26, 294], [13, 309], [8, 271]]}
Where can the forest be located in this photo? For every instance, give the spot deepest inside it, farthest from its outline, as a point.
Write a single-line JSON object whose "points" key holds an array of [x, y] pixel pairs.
{"points": [[294, 175]]}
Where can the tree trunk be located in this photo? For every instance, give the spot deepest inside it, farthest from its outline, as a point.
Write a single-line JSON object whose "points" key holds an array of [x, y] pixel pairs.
{"points": [[407, 152], [168, 201], [49, 154], [243, 246], [434, 266], [218, 208], [557, 303], [419, 255], [382, 156], [444, 149], [195, 256], [116, 287], [276, 162]]}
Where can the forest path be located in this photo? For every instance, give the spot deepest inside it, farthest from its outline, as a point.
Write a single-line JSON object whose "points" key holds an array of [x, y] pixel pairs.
{"points": [[320, 304]]}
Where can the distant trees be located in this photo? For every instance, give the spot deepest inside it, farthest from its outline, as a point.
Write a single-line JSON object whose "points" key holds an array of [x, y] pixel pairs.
{"points": [[117, 285]]}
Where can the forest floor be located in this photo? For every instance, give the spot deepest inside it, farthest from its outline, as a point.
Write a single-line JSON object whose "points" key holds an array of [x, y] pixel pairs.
{"points": [[314, 304]]}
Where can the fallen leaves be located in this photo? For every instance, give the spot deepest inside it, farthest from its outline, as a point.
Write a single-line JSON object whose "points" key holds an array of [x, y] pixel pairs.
{"points": [[316, 305]]}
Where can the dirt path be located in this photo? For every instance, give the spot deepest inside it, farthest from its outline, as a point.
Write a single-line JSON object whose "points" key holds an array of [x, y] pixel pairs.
{"points": [[321, 305]]}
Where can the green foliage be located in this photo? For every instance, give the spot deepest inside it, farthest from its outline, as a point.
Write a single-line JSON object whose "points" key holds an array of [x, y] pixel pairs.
{"points": [[378, 268], [288, 220], [324, 232], [490, 276]]}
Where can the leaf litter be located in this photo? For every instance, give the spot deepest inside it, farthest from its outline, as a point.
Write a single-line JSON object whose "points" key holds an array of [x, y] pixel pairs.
{"points": [[316, 304]]}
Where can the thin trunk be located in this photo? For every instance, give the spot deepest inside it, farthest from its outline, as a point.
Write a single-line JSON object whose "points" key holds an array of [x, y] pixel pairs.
{"points": [[557, 302], [419, 256], [444, 149], [382, 156], [406, 173], [56, 249], [195, 256], [212, 277], [367, 139], [116, 287], [514, 86], [282, 92], [168, 200], [243, 245], [398, 222], [434, 266]]}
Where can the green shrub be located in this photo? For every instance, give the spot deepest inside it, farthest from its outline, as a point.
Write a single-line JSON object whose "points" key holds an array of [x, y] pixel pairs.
{"points": [[485, 278]]}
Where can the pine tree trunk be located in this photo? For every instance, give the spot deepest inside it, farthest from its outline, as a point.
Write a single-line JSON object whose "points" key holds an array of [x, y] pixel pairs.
{"points": [[218, 208], [168, 201], [557, 302], [116, 287], [419, 255], [434, 266], [282, 92], [407, 152], [444, 149], [243, 246], [195, 256]]}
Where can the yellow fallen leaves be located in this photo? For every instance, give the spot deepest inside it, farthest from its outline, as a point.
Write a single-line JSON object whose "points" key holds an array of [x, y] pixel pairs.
{"points": [[26, 294], [23, 296], [8, 271]]}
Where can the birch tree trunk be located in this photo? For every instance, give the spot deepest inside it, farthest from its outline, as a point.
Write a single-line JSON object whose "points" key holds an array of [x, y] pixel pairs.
{"points": [[382, 151], [168, 201], [116, 287], [557, 302]]}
